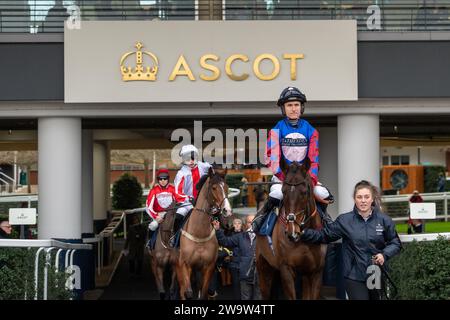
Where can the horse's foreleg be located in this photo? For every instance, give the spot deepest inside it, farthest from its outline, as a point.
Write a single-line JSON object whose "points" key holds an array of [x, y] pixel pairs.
{"points": [[158, 272], [160, 282], [173, 285], [207, 274], [184, 280], [312, 286], [265, 277], [287, 275]]}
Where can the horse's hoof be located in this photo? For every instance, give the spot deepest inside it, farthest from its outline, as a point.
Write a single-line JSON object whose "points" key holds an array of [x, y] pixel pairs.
{"points": [[162, 296], [213, 296], [189, 295]]}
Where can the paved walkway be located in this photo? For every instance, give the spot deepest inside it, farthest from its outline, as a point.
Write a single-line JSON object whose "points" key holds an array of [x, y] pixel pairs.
{"points": [[125, 286]]}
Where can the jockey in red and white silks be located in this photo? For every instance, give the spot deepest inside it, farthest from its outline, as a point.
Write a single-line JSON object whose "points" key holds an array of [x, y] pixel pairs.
{"points": [[160, 197], [189, 175]]}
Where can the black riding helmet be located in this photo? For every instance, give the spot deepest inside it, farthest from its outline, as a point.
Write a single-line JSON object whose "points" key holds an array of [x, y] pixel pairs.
{"points": [[291, 94]]}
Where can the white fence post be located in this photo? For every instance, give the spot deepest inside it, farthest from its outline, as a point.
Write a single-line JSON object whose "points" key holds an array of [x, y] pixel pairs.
{"points": [[36, 272], [445, 207], [48, 258]]}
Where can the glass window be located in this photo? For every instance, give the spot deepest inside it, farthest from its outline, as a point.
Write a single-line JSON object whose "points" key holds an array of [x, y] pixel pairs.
{"points": [[404, 160], [385, 160], [395, 160]]}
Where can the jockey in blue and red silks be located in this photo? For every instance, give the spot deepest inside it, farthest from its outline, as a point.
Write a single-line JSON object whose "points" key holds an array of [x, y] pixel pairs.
{"points": [[292, 139]]}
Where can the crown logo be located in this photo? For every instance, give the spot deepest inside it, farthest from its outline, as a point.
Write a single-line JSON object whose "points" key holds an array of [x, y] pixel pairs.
{"points": [[139, 72]]}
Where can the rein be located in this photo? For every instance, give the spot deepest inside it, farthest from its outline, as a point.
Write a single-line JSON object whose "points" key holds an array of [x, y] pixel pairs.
{"points": [[292, 217], [214, 210]]}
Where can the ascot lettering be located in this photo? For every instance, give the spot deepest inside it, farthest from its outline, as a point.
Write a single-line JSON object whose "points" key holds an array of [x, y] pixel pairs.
{"points": [[208, 63]]}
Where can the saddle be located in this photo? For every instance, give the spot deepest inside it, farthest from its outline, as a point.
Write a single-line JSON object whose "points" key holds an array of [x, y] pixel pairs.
{"points": [[268, 224], [177, 235]]}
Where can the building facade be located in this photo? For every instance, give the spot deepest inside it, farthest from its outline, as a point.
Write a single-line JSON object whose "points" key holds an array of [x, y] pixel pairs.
{"points": [[375, 74]]}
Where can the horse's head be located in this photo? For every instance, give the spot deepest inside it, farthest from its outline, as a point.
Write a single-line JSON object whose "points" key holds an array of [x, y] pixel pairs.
{"points": [[166, 226], [298, 198], [217, 195]]}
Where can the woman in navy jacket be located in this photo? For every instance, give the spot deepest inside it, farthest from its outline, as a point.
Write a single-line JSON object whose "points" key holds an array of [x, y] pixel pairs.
{"points": [[368, 237]]}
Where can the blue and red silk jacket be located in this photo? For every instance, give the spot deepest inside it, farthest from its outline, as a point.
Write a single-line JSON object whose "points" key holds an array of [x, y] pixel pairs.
{"points": [[293, 144]]}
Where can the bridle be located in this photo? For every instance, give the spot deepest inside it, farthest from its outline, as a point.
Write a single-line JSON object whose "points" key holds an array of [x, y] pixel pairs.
{"points": [[291, 217], [214, 209]]}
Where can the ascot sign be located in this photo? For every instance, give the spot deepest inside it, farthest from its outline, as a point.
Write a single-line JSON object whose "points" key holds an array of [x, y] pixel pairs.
{"points": [[141, 72], [209, 61]]}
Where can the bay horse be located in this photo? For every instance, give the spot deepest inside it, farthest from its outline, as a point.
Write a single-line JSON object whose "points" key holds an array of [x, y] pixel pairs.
{"points": [[163, 256], [289, 254], [198, 244]]}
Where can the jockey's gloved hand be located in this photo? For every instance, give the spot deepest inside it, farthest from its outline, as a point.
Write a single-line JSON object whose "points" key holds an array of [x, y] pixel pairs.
{"points": [[191, 199], [302, 227], [153, 225]]}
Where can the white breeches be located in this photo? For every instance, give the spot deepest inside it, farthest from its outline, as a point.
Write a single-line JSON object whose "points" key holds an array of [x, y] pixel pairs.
{"points": [[275, 190], [187, 206]]}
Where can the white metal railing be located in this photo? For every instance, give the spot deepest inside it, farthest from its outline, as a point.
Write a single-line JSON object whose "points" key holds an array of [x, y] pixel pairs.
{"points": [[427, 197], [98, 239], [423, 236], [47, 246], [19, 198], [7, 184], [108, 232]]}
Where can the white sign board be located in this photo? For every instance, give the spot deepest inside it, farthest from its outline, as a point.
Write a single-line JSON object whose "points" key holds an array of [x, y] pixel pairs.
{"points": [[423, 210], [22, 216]]}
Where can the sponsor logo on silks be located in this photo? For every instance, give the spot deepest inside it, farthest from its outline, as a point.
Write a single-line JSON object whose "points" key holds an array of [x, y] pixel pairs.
{"points": [[164, 199], [379, 229], [294, 147], [294, 142]]}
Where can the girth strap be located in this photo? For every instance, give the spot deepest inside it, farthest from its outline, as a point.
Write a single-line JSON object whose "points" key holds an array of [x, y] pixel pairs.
{"points": [[195, 239]]}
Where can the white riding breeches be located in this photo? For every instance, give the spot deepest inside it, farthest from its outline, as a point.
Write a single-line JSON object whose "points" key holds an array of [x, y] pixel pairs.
{"points": [[187, 206], [275, 190]]}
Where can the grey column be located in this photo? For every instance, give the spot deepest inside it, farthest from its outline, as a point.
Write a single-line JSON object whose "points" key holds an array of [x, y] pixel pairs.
{"points": [[100, 174], [108, 175], [328, 171], [358, 155], [87, 196], [59, 170]]}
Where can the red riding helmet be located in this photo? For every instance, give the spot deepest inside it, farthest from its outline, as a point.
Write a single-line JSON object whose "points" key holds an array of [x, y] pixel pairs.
{"points": [[162, 173]]}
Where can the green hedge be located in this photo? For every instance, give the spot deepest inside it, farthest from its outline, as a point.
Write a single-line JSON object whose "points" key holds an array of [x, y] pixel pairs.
{"points": [[17, 276], [422, 270], [127, 193]]}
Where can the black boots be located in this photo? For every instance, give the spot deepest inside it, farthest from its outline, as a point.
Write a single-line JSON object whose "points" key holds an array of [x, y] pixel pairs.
{"points": [[322, 208], [176, 226], [258, 221]]}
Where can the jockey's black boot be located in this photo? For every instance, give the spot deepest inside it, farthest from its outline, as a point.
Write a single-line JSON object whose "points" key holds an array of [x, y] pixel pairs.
{"points": [[270, 204], [322, 209], [176, 227]]}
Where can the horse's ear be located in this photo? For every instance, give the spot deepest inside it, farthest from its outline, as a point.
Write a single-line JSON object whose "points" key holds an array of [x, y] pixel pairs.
{"points": [[211, 171], [306, 164], [284, 167]]}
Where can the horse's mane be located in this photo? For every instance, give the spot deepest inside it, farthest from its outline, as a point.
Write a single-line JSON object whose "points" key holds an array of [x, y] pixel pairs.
{"points": [[294, 175], [201, 182], [292, 170]]}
